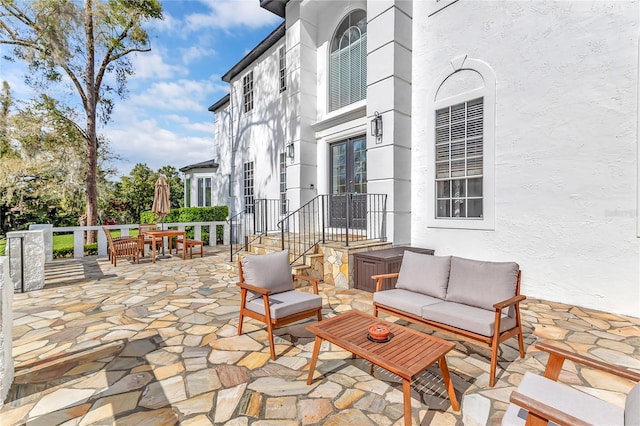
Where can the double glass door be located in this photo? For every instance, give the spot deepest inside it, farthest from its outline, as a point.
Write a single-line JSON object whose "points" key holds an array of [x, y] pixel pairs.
{"points": [[348, 205]]}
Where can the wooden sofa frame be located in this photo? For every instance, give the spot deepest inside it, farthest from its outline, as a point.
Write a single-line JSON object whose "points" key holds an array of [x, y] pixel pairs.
{"points": [[490, 342], [539, 413]]}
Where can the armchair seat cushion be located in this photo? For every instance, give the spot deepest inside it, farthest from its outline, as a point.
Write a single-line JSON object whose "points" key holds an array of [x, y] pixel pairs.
{"points": [[564, 398], [465, 317], [404, 300], [286, 303]]}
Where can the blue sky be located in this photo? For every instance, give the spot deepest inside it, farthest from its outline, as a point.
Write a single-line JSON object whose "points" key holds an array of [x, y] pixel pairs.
{"points": [[164, 119]]}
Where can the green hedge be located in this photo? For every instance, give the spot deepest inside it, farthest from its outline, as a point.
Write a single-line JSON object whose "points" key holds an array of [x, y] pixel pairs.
{"points": [[193, 214]]}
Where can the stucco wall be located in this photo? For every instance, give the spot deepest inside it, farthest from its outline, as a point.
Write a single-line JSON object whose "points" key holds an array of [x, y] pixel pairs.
{"points": [[565, 142]]}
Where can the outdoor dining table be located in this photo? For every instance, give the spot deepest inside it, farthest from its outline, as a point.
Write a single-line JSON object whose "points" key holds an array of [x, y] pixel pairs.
{"points": [[154, 235]]}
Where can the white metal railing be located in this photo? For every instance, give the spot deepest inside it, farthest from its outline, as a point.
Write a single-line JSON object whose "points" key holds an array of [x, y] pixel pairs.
{"points": [[79, 231]]}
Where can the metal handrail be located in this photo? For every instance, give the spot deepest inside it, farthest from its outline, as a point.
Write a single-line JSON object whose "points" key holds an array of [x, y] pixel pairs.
{"points": [[249, 225], [343, 218]]}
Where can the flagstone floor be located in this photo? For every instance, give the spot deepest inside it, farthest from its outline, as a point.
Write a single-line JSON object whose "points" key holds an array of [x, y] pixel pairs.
{"points": [[157, 344]]}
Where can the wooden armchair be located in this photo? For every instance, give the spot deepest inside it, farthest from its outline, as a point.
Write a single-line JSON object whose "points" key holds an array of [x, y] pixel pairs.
{"points": [[541, 400], [147, 241], [268, 294], [127, 247]]}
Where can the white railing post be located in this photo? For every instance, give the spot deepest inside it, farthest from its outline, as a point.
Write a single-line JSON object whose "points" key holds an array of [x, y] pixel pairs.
{"points": [[226, 234], [78, 243], [197, 232], [102, 243]]}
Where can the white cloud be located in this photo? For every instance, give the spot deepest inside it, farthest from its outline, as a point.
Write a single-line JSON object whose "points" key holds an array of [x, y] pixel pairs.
{"points": [[148, 142], [227, 14], [151, 65], [193, 53], [180, 95]]}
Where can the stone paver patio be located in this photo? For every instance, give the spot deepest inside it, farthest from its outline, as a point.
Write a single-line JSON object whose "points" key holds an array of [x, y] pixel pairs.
{"points": [[157, 345]]}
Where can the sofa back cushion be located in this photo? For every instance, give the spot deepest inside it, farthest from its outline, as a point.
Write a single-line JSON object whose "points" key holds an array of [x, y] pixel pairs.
{"points": [[481, 284], [270, 271], [632, 407], [424, 273]]}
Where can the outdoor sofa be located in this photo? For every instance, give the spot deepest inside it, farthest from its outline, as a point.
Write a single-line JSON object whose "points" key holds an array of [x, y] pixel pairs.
{"points": [[474, 299]]}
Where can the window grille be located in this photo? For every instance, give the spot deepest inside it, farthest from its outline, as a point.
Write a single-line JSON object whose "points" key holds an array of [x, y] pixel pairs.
{"points": [[348, 61], [282, 53], [459, 160], [247, 178], [247, 90], [283, 183]]}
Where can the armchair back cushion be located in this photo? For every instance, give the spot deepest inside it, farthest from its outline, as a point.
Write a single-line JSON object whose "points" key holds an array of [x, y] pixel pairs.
{"points": [[424, 273], [269, 271], [632, 407], [481, 284]]}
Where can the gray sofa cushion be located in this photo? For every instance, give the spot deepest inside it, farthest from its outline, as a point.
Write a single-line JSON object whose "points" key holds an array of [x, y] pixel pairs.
{"points": [[404, 300], [470, 318], [481, 284], [424, 274], [284, 304], [566, 399], [632, 407], [270, 271]]}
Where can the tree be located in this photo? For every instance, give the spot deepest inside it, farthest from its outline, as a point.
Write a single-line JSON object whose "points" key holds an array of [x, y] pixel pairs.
{"points": [[134, 193], [63, 41], [40, 175]]}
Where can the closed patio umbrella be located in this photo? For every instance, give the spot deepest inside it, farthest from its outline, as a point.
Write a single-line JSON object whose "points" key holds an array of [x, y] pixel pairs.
{"points": [[161, 204]]}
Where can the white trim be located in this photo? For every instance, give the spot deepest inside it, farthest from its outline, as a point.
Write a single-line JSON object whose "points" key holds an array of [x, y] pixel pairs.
{"points": [[638, 144], [488, 93], [437, 5]]}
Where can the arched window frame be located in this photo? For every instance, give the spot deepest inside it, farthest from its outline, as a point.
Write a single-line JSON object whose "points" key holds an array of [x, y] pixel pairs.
{"points": [[488, 94], [341, 89]]}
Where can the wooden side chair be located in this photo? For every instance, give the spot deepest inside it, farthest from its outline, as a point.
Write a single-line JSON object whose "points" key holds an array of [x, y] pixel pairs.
{"points": [[127, 247], [268, 294], [542, 400], [147, 241]]}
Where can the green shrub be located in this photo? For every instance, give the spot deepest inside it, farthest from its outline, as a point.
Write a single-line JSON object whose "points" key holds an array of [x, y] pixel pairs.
{"points": [[193, 214], [66, 251]]}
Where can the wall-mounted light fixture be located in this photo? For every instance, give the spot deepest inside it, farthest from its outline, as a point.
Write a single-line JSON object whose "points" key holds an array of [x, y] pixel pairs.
{"points": [[290, 151], [376, 127]]}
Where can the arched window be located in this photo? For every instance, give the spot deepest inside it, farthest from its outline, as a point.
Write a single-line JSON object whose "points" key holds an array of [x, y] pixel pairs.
{"points": [[348, 61]]}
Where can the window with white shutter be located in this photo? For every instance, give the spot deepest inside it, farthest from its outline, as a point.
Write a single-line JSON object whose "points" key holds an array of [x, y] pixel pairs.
{"points": [[459, 159], [348, 61]]}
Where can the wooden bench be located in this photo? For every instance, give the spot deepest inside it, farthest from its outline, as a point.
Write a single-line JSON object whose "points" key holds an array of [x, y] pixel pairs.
{"points": [[475, 300], [189, 244]]}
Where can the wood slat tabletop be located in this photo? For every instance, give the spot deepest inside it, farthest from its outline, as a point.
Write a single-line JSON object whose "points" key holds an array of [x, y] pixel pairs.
{"points": [[407, 354]]}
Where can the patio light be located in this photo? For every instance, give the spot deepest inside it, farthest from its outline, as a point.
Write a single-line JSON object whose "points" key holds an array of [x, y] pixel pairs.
{"points": [[376, 127]]}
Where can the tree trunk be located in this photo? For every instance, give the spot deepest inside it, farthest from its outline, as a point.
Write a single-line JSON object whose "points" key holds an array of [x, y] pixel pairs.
{"points": [[90, 108]]}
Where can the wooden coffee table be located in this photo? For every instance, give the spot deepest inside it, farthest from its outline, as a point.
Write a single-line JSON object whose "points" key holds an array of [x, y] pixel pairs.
{"points": [[407, 354]]}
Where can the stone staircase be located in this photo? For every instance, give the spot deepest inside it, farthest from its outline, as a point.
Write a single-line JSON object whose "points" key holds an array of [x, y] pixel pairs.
{"points": [[331, 262]]}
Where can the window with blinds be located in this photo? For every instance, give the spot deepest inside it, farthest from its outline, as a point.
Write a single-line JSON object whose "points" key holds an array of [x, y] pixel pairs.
{"points": [[348, 61], [282, 56], [204, 192], [459, 160], [247, 179], [247, 91]]}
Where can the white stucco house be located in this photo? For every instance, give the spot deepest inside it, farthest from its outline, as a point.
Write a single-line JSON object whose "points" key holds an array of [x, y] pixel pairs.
{"points": [[508, 131]]}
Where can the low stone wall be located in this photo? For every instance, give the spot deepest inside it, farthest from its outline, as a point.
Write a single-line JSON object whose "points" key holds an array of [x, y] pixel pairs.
{"points": [[6, 325], [26, 257]]}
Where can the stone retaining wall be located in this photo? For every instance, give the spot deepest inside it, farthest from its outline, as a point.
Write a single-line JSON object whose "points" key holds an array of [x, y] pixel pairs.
{"points": [[6, 325]]}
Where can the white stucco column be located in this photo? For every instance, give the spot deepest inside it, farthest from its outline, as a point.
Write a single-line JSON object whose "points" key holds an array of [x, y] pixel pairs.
{"points": [[389, 47], [6, 324], [26, 258]]}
